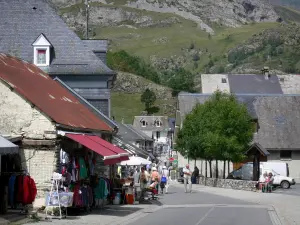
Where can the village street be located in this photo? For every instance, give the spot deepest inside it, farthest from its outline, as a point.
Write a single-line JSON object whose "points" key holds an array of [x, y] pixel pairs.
{"points": [[205, 206]]}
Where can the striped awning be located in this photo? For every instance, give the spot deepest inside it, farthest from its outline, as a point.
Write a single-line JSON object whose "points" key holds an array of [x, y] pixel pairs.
{"points": [[7, 147]]}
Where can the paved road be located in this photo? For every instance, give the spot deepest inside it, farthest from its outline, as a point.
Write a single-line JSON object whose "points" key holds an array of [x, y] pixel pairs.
{"points": [[178, 208], [205, 209], [293, 190]]}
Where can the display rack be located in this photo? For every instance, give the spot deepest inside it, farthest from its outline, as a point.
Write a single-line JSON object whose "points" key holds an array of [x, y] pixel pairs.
{"points": [[54, 194]]}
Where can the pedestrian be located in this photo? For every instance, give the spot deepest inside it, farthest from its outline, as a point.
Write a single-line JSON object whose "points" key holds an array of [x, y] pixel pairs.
{"points": [[195, 175], [164, 181], [154, 175], [187, 178]]}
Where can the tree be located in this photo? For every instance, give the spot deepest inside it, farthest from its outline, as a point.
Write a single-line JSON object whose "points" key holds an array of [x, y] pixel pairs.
{"points": [[219, 129], [148, 98]]}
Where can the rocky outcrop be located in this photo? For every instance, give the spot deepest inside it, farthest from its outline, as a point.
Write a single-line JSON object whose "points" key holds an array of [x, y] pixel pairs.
{"points": [[228, 183], [230, 13]]}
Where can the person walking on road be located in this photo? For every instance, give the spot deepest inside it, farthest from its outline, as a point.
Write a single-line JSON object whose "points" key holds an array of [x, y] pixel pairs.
{"points": [[164, 181], [187, 178]]}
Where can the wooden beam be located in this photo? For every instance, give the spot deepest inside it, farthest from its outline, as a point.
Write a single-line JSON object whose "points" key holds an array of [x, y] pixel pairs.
{"points": [[39, 142]]}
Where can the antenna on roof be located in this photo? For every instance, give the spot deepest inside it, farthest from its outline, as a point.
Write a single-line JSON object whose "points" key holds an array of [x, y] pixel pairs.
{"points": [[87, 18]]}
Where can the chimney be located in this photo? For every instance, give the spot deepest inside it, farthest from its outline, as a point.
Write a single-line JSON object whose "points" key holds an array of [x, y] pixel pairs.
{"points": [[266, 72]]}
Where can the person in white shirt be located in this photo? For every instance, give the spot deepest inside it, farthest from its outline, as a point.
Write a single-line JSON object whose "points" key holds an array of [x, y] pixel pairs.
{"points": [[187, 178]]}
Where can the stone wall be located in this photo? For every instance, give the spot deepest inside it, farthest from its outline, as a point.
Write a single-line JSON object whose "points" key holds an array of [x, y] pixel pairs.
{"points": [[19, 118], [40, 162], [227, 183]]}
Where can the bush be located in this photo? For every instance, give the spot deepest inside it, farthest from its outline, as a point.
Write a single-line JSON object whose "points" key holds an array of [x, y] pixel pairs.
{"points": [[122, 61]]}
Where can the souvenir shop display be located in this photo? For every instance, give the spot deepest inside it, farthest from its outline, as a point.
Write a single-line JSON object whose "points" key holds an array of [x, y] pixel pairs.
{"points": [[78, 170], [21, 190]]}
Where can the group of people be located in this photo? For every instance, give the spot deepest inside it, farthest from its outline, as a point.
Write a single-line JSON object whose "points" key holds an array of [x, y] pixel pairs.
{"points": [[266, 181]]}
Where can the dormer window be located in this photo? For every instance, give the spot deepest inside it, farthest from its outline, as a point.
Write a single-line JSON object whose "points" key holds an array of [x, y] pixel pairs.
{"points": [[157, 123], [41, 56], [144, 123], [41, 51]]}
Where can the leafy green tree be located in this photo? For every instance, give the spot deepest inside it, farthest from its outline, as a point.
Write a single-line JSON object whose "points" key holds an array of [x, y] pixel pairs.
{"points": [[219, 129], [148, 98]]}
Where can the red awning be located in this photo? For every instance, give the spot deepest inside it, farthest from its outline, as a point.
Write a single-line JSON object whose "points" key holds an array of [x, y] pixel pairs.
{"points": [[124, 154], [93, 143]]}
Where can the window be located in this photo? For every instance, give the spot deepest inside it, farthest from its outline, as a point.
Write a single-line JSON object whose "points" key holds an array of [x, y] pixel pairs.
{"points": [[285, 154], [144, 124], [224, 80], [157, 123], [157, 134], [41, 51], [41, 56]]}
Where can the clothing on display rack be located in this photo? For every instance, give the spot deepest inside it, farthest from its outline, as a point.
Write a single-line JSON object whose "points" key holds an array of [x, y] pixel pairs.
{"points": [[21, 189]]}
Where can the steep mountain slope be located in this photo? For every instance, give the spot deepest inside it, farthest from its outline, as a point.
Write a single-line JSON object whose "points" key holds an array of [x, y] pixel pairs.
{"points": [[204, 13], [288, 3], [278, 48], [126, 97], [287, 14]]}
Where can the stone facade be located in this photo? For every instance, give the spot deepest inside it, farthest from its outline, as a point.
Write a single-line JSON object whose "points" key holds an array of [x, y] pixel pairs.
{"points": [[228, 183], [17, 117]]}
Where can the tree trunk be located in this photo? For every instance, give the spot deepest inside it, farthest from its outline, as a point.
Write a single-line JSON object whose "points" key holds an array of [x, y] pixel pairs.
{"points": [[224, 169], [217, 169], [228, 166], [210, 169], [205, 168], [195, 162]]}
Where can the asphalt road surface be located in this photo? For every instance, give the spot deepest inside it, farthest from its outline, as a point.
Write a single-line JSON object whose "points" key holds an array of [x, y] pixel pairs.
{"points": [[179, 208], [293, 190]]}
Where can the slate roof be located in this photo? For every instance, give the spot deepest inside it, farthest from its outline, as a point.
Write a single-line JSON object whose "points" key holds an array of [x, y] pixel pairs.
{"points": [[96, 45], [82, 100], [150, 120], [56, 102], [278, 117], [254, 84], [139, 132], [20, 25]]}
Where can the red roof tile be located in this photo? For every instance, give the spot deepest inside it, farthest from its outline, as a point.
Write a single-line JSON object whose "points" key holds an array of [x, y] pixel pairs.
{"points": [[47, 95]]}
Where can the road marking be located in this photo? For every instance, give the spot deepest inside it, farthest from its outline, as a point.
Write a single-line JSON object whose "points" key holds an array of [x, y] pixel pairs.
{"points": [[274, 217], [203, 218], [217, 206]]}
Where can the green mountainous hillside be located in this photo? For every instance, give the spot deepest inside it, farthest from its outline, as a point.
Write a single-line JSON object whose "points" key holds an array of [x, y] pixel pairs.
{"points": [[171, 42]]}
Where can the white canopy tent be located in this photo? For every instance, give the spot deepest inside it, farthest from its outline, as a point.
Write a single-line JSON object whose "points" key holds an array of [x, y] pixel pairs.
{"points": [[7, 147], [135, 161]]}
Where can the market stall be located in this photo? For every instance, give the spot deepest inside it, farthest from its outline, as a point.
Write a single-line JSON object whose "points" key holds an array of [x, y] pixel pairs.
{"points": [[87, 164], [9, 164]]}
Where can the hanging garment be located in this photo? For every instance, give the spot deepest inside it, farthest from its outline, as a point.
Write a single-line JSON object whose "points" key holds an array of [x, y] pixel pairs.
{"points": [[101, 190], [11, 190], [82, 170], [92, 166], [73, 166], [30, 190], [20, 189], [77, 196]]}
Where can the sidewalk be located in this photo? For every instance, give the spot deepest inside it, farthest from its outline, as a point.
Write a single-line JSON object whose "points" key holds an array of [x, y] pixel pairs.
{"points": [[111, 214], [287, 206]]}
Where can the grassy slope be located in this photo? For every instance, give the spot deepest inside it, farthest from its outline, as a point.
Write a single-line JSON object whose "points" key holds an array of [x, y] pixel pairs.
{"points": [[124, 105], [288, 14]]}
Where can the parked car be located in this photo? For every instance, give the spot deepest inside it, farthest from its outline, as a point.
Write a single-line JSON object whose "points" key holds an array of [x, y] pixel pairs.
{"points": [[280, 171], [180, 175]]}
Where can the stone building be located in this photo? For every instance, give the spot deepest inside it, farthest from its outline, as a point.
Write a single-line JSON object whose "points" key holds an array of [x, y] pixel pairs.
{"points": [[49, 118], [277, 121]]}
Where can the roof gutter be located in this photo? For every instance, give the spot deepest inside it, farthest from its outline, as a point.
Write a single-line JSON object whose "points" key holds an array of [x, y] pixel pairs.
{"points": [[82, 129]]}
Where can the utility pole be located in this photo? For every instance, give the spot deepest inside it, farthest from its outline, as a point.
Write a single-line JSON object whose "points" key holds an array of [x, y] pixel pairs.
{"points": [[87, 18]]}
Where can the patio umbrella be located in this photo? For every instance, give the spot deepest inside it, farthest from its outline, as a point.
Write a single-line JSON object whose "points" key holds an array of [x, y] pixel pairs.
{"points": [[135, 161]]}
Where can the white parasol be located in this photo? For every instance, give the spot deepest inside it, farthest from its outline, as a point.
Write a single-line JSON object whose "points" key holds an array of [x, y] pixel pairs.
{"points": [[135, 161]]}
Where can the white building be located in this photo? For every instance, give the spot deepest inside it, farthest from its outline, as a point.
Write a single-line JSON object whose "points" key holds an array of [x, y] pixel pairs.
{"points": [[157, 128]]}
